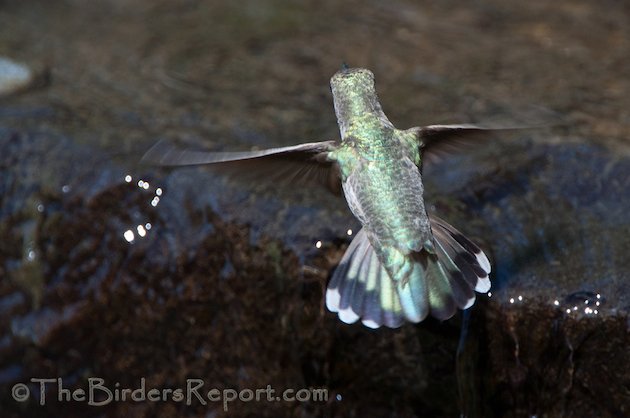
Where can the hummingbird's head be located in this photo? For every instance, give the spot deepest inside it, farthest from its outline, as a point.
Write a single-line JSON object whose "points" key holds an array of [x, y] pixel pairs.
{"points": [[355, 97], [358, 80]]}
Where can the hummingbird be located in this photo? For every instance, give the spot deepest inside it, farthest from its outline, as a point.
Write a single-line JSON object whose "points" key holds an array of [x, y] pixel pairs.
{"points": [[404, 264]]}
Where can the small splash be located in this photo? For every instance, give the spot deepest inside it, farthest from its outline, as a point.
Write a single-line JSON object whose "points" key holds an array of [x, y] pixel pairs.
{"points": [[582, 302], [514, 299], [129, 235]]}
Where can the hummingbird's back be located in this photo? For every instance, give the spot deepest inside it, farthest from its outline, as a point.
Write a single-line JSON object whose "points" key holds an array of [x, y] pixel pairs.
{"points": [[386, 195], [381, 180]]}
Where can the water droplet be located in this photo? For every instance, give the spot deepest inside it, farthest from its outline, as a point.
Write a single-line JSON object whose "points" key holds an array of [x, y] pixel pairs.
{"points": [[158, 191], [128, 235], [147, 226], [141, 231], [318, 244], [128, 178], [65, 188], [155, 201], [40, 208], [349, 232]]}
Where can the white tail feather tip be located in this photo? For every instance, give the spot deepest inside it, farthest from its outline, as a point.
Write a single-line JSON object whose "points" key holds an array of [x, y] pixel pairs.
{"points": [[483, 285], [483, 261], [333, 298], [370, 323], [470, 303], [348, 316]]}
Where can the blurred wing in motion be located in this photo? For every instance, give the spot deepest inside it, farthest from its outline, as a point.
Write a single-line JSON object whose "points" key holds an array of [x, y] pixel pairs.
{"points": [[439, 141], [304, 163]]}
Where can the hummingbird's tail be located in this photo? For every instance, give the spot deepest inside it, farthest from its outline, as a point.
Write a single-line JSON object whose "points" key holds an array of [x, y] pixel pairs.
{"points": [[361, 288], [459, 270]]}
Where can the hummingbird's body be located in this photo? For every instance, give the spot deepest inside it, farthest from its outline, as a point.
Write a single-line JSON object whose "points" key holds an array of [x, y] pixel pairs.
{"points": [[403, 264], [379, 166]]}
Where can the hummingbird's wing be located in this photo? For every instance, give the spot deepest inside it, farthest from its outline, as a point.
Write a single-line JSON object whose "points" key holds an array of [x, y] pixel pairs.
{"points": [[438, 141], [307, 162]]}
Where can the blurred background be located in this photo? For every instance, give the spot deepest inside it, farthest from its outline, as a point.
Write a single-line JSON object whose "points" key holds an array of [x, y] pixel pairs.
{"points": [[121, 271]]}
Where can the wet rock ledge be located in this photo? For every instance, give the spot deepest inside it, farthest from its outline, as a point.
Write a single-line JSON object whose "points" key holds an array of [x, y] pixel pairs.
{"points": [[197, 297]]}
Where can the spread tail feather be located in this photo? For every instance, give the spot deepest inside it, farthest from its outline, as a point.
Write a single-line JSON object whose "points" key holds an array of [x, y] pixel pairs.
{"points": [[360, 288], [436, 284]]}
